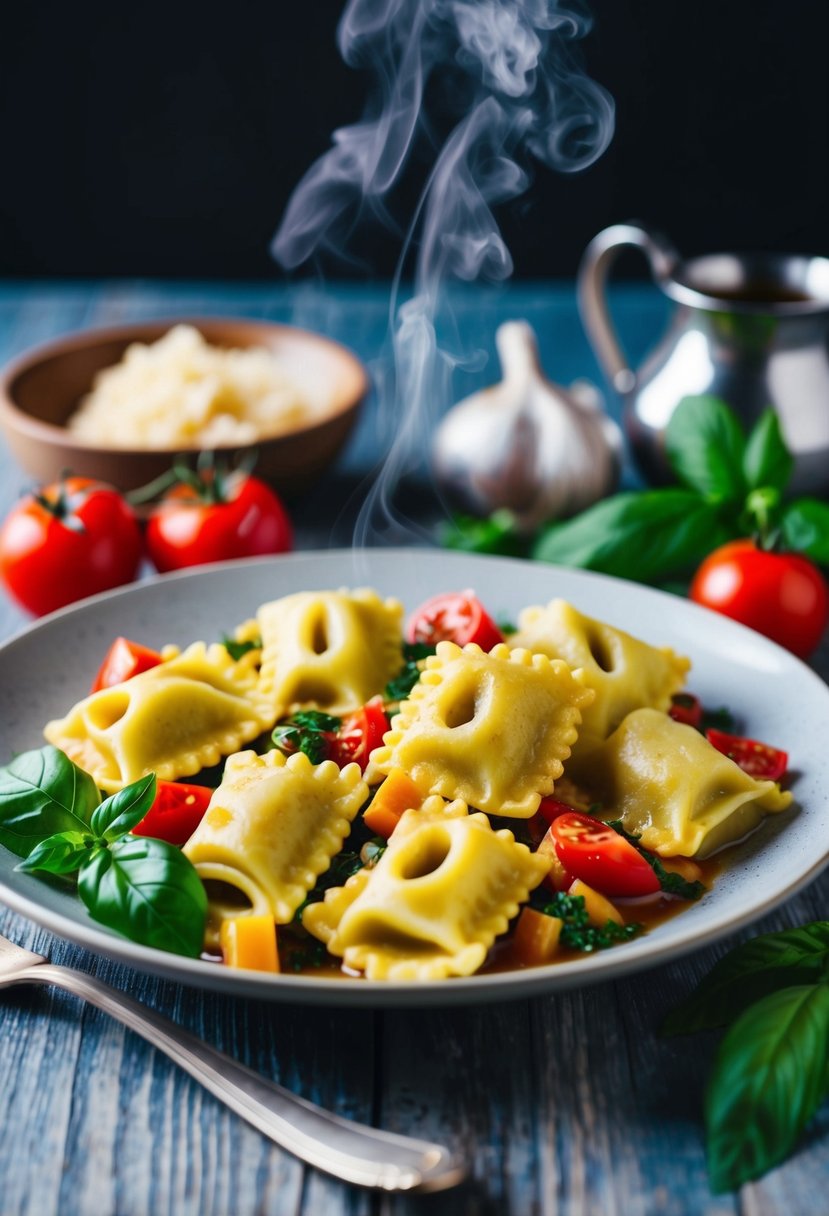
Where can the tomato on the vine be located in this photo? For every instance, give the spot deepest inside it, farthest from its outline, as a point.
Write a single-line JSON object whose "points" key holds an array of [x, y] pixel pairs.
{"points": [[598, 855], [458, 617], [68, 540], [212, 517], [781, 595]]}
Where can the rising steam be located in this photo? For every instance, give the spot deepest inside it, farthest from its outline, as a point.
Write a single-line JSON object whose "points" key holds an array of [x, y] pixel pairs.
{"points": [[511, 69]]}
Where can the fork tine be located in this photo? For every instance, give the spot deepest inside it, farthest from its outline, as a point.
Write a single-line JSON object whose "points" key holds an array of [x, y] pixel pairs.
{"points": [[15, 958]]}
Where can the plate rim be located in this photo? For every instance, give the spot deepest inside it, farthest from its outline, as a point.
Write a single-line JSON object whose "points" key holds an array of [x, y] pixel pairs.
{"points": [[634, 957]]}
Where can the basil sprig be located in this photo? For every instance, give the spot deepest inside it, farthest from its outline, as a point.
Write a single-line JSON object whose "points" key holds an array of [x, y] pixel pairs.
{"points": [[770, 1074], [52, 815], [730, 485]]}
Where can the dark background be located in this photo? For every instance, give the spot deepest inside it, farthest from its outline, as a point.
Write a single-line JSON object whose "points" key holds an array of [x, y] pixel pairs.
{"points": [[164, 140]]}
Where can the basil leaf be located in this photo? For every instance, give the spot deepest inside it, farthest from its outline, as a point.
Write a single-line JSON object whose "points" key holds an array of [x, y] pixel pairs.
{"points": [[751, 971], [237, 649], [767, 461], [645, 535], [62, 853], [315, 719], [122, 811], [705, 447], [495, 534], [805, 527], [42, 793], [769, 1079], [147, 890]]}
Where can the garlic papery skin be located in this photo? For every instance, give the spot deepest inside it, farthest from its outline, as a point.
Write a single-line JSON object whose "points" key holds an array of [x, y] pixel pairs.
{"points": [[524, 444]]}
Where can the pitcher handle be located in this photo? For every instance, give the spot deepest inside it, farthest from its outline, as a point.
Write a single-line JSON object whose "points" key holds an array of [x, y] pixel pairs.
{"points": [[595, 267]]}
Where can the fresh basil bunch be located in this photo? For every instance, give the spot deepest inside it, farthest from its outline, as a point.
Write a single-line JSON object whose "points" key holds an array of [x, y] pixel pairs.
{"points": [[770, 1073], [731, 485], [51, 815]]}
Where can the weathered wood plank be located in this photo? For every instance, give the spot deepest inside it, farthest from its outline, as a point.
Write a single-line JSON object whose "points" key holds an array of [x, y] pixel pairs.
{"points": [[565, 1106]]}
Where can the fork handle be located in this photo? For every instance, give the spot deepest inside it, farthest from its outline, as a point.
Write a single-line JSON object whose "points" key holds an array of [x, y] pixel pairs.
{"points": [[350, 1151]]}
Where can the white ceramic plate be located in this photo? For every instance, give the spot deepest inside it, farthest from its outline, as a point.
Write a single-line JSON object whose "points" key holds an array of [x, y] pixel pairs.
{"points": [[774, 697]]}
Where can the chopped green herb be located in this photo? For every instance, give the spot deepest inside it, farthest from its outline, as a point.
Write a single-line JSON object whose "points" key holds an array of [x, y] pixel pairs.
{"points": [[507, 627], [576, 931], [403, 683], [237, 649], [717, 719], [307, 731]]}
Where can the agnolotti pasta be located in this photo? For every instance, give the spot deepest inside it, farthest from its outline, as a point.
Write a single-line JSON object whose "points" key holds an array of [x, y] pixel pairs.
{"points": [[492, 729], [669, 786], [625, 672], [330, 650], [272, 827], [446, 887], [173, 720]]}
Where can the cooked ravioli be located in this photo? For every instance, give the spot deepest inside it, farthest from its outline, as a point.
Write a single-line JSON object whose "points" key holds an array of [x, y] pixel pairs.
{"points": [[272, 827], [330, 650], [447, 885], [669, 786], [625, 672], [173, 720], [492, 729]]}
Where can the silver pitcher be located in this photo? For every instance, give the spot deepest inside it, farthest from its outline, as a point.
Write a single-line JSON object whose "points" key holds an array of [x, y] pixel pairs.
{"points": [[750, 328]]}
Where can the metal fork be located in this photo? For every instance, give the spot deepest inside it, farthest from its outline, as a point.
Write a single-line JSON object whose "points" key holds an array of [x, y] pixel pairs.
{"points": [[352, 1152]]}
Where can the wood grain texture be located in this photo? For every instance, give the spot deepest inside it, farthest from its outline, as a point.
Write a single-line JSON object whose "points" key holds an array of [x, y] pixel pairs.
{"points": [[564, 1106]]}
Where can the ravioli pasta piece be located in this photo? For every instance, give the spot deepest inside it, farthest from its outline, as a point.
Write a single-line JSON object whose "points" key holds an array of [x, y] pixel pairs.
{"points": [[492, 729], [625, 672], [667, 784], [332, 650], [173, 720], [444, 889], [272, 827]]}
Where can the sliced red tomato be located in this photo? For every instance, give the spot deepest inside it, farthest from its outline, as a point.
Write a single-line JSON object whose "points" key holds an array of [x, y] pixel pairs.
{"points": [[600, 857], [176, 813], [123, 660], [359, 734], [557, 878], [551, 808], [759, 760], [687, 708], [457, 616]]}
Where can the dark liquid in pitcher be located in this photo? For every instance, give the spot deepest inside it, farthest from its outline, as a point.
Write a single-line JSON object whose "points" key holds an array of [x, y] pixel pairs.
{"points": [[760, 292]]}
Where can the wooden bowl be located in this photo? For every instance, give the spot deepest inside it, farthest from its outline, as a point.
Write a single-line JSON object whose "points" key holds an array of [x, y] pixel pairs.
{"points": [[41, 388]]}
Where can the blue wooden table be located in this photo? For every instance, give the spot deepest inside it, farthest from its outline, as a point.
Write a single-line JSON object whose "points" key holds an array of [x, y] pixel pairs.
{"points": [[562, 1105]]}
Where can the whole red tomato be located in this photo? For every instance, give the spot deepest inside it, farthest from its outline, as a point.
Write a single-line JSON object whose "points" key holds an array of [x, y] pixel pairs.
{"points": [[214, 518], [66, 541], [781, 595]]}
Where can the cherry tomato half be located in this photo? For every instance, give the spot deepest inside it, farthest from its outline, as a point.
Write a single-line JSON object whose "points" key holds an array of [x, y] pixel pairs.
{"points": [[599, 856], [759, 760], [686, 708], [781, 595], [122, 661], [176, 813], [359, 734], [66, 541], [193, 526], [457, 616]]}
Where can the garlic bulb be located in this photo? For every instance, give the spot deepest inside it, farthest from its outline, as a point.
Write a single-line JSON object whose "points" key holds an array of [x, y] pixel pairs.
{"points": [[525, 444]]}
